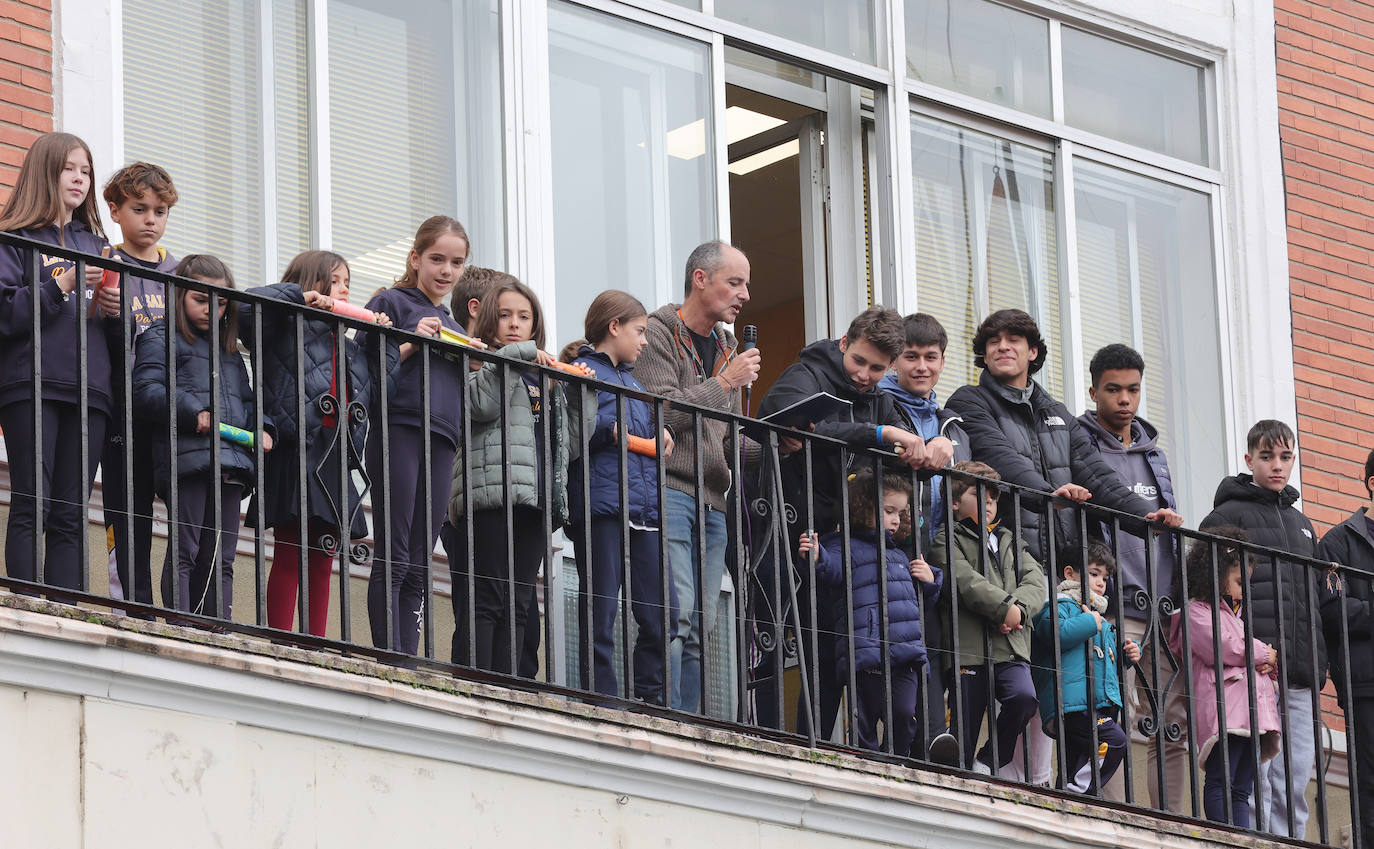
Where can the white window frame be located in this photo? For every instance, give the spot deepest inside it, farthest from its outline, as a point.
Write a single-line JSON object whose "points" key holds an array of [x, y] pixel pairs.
{"points": [[1244, 178]]}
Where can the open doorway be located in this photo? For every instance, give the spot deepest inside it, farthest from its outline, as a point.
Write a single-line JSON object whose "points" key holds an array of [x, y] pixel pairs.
{"points": [[778, 218]]}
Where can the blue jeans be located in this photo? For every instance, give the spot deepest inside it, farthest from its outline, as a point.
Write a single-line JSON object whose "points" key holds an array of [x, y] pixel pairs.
{"points": [[684, 546], [1274, 779]]}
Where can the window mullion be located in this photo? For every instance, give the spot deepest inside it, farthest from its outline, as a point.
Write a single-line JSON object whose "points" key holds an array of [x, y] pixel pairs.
{"points": [[267, 94], [893, 215], [720, 147], [1066, 203], [317, 59], [1056, 72], [1134, 291]]}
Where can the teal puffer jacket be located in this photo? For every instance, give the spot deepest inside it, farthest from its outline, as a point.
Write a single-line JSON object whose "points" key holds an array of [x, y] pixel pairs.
{"points": [[488, 395], [1077, 630]]}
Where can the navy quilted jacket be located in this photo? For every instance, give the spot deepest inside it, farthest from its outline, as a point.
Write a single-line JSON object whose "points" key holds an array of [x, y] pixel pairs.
{"points": [[641, 472], [903, 610], [191, 396]]}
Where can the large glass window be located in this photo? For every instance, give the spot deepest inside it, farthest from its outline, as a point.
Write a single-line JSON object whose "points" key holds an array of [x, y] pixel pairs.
{"points": [[1146, 278], [983, 49], [986, 236], [194, 103], [1134, 95], [633, 182], [845, 27], [414, 128], [986, 239], [413, 102]]}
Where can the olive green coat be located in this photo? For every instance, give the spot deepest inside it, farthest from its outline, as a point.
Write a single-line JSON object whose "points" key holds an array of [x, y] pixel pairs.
{"points": [[985, 599]]}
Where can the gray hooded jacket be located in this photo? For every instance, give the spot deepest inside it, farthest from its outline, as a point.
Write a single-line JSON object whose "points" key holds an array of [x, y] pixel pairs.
{"points": [[1145, 471]]}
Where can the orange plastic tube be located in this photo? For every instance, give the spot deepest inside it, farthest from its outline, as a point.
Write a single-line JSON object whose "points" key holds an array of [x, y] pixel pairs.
{"points": [[642, 445], [570, 368]]}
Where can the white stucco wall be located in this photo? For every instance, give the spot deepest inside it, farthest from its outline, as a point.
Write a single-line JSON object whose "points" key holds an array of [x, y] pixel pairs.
{"points": [[133, 738]]}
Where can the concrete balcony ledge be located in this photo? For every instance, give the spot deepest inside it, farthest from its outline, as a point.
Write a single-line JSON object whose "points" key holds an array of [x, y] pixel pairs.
{"points": [[123, 728]]}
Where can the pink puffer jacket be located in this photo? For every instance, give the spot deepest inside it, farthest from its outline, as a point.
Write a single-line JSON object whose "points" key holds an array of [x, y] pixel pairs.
{"points": [[1235, 678]]}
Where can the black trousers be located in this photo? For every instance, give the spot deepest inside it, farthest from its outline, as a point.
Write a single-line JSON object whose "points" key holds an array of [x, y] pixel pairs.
{"points": [[821, 675], [1078, 746], [1017, 704], [1362, 717], [871, 704], [529, 642], [498, 584], [404, 540], [64, 491], [189, 583], [136, 585]]}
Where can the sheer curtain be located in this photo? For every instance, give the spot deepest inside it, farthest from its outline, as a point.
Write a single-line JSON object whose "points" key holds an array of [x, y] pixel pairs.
{"points": [[986, 239]]}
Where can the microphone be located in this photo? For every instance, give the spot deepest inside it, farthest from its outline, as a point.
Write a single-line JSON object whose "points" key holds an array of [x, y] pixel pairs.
{"points": [[748, 341]]}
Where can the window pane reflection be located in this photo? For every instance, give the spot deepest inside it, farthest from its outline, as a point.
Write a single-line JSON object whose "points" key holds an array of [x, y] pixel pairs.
{"points": [[633, 188], [1146, 278], [1136, 96], [845, 27], [985, 239], [982, 49]]}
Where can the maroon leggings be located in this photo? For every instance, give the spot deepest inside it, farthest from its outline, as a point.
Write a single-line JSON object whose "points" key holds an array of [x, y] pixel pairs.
{"points": [[283, 581]]}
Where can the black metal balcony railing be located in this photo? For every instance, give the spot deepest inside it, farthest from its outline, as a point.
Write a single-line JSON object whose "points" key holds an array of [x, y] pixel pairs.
{"points": [[778, 625]]}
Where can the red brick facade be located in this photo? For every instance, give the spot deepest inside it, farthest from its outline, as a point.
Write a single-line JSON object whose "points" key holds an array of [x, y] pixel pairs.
{"points": [[26, 82], [1325, 51]]}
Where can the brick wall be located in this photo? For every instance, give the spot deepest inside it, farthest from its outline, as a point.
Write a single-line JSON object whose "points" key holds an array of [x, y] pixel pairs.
{"points": [[26, 106], [1325, 51]]}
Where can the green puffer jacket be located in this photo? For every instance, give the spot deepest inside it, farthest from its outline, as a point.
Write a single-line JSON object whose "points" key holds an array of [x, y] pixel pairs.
{"points": [[487, 397], [984, 601]]}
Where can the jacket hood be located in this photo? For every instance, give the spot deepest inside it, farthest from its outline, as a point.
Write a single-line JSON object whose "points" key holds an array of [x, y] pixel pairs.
{"points": [[590, 353], [1144, 436], [1242, 487], [892, 386], [825, 359]]}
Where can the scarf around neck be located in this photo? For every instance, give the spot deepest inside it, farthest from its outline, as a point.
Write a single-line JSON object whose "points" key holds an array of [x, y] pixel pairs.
{"points": [[1074, 590]]}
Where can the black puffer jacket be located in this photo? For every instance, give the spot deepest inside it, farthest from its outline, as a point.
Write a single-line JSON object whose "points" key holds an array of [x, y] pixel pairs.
{"points": [[1350, 544], [1036, 442], [191, 397], [1269, 519], [821, 369]]}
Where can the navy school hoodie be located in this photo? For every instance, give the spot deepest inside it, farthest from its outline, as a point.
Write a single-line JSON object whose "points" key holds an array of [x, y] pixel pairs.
{"points": [[405, 306], [147, 306], [59, 315]]}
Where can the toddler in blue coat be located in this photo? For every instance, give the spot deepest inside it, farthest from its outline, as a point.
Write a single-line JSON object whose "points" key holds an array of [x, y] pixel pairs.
{"points": [[1084, 634], [901, 637]]}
